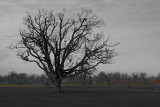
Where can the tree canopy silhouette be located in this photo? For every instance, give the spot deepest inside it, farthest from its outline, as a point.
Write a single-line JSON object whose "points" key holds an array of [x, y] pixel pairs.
{"points": [[60, 46]]}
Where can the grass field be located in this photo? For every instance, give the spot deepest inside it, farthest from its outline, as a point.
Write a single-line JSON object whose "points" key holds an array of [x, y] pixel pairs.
{"points": [[95, 96]]}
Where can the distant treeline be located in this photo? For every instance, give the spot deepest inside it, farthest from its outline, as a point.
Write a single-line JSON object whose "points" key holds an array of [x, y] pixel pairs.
{"points": [[115, 78], [13, 78]]}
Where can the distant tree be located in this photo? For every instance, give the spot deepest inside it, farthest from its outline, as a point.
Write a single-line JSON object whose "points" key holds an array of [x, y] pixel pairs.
{"points": [[33, 79], [102, 78], [22, 78], [124, 78], [61, 45], [43, 79], [12, 77], [143, 77], [135, 77], [116, 77], [1, 79]]}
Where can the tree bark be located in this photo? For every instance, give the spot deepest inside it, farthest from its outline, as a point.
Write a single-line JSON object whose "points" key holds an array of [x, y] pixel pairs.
{"points": [[57, 84]]}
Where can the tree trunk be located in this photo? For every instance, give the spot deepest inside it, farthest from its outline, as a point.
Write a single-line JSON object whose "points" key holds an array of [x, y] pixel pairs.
{"points": [[57, 84]]}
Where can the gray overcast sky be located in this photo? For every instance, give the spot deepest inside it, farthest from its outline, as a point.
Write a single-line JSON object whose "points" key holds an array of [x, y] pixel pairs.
{"points": [[133, 23]]}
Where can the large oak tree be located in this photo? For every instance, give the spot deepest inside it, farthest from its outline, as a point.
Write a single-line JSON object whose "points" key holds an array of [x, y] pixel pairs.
{"points": [[60, 45]]}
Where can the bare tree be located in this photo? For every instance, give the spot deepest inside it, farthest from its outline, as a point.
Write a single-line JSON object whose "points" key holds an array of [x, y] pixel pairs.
{"points": [[61, 45]]}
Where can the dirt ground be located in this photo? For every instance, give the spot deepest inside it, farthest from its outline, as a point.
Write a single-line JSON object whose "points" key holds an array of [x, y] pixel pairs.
{"points": [[78, 97]]}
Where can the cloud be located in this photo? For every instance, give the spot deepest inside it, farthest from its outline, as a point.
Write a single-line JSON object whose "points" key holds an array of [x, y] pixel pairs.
{"points": [[5, 9], [3, 55], [157, 54]]}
